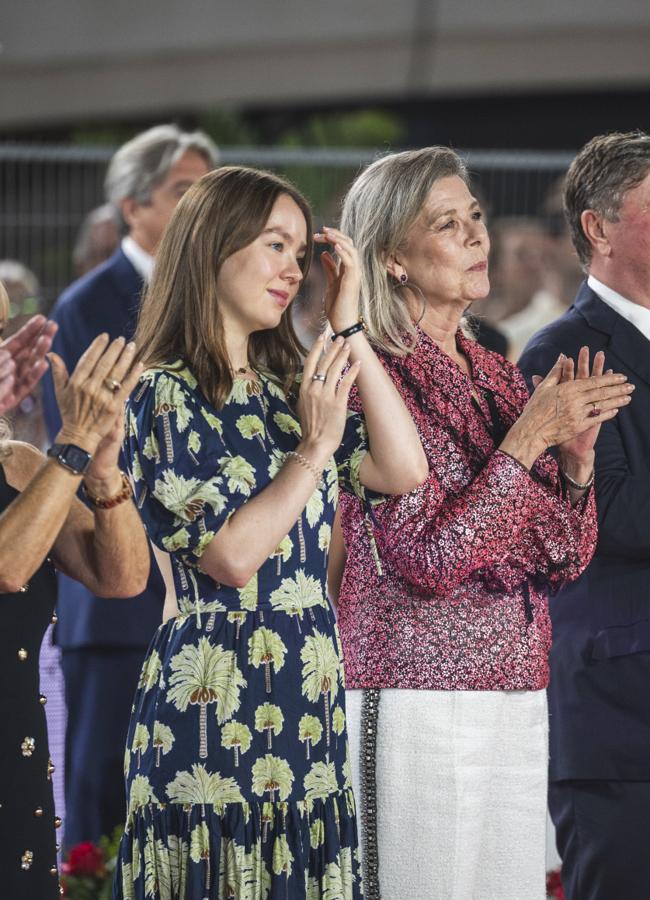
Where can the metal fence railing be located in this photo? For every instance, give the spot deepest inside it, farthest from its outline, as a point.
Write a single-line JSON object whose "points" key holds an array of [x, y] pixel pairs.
{"points": [[46, 191]]}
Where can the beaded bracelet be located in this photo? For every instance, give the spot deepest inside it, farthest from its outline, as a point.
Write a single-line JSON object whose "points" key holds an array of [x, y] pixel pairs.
{"points": [[306, 464], [123, 494], [576, 484], [353, 329]]}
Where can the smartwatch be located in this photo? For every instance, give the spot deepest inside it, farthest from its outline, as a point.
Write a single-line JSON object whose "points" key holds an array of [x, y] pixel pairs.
{"points": [[71, 457]]}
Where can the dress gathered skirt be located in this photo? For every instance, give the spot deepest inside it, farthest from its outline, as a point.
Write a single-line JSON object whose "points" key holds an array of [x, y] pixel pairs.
{"points": [[237, 765]]}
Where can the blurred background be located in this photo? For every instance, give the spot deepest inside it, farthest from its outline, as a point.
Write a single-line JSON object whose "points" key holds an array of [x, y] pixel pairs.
{"points": [[314, 91]]}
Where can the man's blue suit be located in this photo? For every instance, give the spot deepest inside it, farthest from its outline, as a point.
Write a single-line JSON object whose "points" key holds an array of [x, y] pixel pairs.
{"points": [[599, 694], [103, 640]]}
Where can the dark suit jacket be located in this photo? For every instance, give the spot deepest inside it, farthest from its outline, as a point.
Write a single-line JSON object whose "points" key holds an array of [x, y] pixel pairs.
{"points": [[599, 694], [106, 299]]}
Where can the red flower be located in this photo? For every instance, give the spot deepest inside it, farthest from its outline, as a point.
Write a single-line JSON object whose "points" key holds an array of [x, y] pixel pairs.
{"points": [[85, 859], [554, 887]]}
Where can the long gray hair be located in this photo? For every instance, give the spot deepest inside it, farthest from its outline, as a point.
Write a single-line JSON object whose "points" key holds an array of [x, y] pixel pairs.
{"points": [[378, 213]]}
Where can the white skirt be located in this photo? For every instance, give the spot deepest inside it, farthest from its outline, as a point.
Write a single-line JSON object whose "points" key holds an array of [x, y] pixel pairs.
{"points": [[451, 792]]}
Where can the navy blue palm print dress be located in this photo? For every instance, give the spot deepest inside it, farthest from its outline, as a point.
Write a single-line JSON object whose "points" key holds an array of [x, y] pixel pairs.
{"points": [[237, 769]]}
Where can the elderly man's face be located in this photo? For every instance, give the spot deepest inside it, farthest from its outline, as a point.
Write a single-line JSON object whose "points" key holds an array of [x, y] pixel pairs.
{"points": [[628, 266], [148, 221]]}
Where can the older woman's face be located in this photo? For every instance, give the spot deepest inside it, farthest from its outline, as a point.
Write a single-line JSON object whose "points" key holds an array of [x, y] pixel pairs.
{"points": [[446, 250]]}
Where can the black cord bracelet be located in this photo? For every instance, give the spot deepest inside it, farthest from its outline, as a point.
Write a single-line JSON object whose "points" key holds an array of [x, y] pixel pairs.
{"points": [[353, 329]]}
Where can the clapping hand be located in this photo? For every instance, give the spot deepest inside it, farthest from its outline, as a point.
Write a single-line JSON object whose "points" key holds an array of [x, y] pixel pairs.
{"points": [[22, 360], [581, 446]]}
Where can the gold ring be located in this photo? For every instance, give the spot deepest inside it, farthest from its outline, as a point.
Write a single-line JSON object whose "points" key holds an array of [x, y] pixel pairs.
{"points": [[113, 385]]}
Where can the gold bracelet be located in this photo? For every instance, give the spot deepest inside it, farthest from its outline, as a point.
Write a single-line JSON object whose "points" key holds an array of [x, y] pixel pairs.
{"points": [[306, 464], [123, 494]]}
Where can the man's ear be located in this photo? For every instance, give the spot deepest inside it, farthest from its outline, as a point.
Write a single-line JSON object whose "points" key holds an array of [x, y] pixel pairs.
{"points": [[594, 227], [129, 210]]}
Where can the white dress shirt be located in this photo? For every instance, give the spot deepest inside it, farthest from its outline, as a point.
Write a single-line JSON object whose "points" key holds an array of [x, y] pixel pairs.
{"points": [[636, 315], [141, 261]]}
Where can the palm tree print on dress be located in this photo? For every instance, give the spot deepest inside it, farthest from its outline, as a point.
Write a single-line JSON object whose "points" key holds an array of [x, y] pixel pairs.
{"points": [[162, 740], [140, 741], [314, 508], [200, 787], [321, 781], [170, 397], [282, 857], [248, 594], [200, 850], [324, 540], [320, 673], [236, 736], [269, 718], [205, 674], [150, 671], [266, 648], [310, 731], [338, 721], [271, 774], [240, 474], [297, 594], [282, 553], [157, 867], [252, 427], [287, 423], [141, 793], [242, 876], [187, 497]]}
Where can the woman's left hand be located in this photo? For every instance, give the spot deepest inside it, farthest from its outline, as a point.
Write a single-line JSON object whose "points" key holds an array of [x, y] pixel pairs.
{"points": [[343, 279]]}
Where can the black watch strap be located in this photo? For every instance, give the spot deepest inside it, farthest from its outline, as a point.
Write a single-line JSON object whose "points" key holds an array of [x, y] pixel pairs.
{"points": [[71, 457]]}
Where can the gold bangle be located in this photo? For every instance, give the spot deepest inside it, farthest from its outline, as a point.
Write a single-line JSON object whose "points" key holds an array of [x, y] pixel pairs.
{"points": [[123, 494], [306, 464]]}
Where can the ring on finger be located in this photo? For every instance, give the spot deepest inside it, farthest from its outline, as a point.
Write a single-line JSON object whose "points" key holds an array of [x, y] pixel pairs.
{"points": [[112, 384], [319, 377], [594, 411]]}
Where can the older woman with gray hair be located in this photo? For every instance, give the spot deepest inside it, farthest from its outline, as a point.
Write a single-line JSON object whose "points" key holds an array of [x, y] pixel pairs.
{"points": [[42, 527], [443, 604]]}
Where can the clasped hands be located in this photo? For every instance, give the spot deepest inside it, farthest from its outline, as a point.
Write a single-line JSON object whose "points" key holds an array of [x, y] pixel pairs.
{"points": [[566, 410]]}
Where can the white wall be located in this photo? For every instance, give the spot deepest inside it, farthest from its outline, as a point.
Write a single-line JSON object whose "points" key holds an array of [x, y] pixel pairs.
{"points": [[63, 60]]}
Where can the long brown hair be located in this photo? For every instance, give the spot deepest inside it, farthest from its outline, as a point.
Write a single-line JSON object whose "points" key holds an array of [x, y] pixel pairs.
{"points": [[225, 211]]}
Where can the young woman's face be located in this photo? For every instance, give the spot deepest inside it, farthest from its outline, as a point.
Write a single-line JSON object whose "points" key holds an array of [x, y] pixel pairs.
{"points": [[257, 284], [446, 250]]}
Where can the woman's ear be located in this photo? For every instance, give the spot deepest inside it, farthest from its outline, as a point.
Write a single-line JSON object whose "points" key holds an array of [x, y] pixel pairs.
{"points": [[395, 269]]}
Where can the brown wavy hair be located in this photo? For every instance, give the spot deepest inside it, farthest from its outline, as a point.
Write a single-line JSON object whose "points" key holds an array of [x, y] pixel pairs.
{"points": [[225, 211]]}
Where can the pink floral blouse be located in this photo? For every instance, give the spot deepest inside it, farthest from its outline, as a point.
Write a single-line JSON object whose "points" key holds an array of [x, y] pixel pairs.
{"points": [[446, 587]]}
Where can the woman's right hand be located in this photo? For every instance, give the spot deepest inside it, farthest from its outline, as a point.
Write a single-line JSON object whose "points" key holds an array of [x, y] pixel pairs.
{"points": [[323, 404], [88, 404], [557, 411]]}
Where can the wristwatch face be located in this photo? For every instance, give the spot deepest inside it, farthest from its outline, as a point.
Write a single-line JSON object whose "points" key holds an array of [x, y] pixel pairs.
{"points": [[72, 457], [76, 458]]}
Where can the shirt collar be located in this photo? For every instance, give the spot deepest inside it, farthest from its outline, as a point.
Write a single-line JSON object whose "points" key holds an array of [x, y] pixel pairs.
{"points": [[141, 261], [633, 313]]}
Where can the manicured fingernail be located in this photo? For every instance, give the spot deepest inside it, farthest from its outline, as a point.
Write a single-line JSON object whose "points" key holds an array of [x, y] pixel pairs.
{"points": [[130, 345], [339, 340]]}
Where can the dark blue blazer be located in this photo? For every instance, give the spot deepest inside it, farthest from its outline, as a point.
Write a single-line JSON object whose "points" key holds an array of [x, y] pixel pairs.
{"points": [[599, 695], [106, 299]]}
